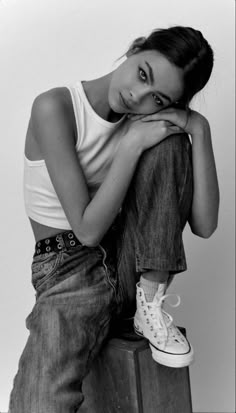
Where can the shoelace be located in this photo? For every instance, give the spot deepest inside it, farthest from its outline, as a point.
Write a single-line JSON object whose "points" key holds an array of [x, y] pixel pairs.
{"points": [[157, 314]]}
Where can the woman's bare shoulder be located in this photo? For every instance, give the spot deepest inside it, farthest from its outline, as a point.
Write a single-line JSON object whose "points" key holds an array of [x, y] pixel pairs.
{"points": [[58, 96], [57, 104], [57, 100]]}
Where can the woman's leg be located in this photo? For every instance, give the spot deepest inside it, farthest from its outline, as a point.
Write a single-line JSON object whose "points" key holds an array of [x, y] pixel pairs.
{"points": [[153, 216], [69, 322]]}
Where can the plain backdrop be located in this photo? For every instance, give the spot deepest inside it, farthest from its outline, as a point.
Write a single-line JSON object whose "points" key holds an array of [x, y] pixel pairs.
{"points": [[48, 43]]}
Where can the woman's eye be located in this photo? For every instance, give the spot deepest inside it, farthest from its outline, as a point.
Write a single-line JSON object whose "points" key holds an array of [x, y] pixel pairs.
{"points": [[142, 74], [157, 100]]}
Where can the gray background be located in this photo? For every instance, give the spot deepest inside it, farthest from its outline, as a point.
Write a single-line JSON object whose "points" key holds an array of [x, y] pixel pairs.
{"points": [[47, 43]]}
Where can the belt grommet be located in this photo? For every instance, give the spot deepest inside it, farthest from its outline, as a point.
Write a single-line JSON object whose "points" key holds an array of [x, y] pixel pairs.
{"points": [[72, 243], [57, 238], [59, 246], [70, 235], [48, 249], [38, 251], [47, 241], [38, 244]]}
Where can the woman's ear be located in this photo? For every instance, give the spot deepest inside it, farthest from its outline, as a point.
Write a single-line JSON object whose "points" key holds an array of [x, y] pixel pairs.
{"points": [[179, 105], [136, 46]]}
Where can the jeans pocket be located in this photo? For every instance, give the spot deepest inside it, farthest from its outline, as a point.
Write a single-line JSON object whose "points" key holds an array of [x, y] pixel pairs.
{"points": [[43, 267]]}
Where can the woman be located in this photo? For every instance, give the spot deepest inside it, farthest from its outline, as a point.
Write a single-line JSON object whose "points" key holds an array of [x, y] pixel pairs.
{"points": [[108, 198]]}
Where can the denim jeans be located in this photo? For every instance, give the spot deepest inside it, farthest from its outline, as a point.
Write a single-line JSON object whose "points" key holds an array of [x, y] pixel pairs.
{"points": [[84, 292]]}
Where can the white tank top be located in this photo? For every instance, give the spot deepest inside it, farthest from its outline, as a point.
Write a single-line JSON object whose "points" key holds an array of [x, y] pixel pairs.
{"points": [[95, 148]]}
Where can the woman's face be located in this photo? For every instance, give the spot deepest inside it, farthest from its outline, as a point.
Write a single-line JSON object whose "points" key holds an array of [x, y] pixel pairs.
{"points": [[144, 83]]}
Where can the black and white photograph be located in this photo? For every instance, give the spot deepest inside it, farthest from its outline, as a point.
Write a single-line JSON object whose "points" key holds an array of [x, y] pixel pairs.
{"points": [[118, 206]]}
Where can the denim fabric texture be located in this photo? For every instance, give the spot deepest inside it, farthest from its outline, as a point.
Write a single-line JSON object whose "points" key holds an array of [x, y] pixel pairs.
{"points": [[83, 293]]}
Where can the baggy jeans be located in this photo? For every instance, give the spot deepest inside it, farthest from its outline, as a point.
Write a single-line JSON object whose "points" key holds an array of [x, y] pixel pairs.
{"points": [[81, 292]]}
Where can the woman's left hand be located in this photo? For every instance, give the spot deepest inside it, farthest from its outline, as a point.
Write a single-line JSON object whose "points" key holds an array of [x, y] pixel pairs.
{"points": [[188, 120]]}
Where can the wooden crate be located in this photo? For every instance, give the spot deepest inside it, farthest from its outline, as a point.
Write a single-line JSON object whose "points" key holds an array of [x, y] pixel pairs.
{"points": [[125, 379]]}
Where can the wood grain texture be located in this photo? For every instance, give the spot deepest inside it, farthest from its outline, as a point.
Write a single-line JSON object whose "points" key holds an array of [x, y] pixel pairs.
{"points": [[125, 379], [164, 389]]}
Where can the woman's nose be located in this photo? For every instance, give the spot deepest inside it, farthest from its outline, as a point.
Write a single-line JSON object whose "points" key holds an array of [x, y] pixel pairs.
{"points": [[137, 94], [134, 96]]}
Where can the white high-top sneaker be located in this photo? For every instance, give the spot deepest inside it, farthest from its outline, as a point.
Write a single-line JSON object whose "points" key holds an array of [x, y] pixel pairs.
{"points": [[168, 345]]}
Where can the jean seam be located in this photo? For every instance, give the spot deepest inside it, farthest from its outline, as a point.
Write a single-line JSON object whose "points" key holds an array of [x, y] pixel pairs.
{"points": [[103, 325], [106, 270], [184, 182], [120, 287]]}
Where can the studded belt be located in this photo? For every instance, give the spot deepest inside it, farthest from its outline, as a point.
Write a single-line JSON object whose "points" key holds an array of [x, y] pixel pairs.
{"points": [[63, 240]]}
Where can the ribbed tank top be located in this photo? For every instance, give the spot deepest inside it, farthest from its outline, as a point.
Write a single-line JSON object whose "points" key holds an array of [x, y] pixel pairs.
{"points": [[95, 148]]}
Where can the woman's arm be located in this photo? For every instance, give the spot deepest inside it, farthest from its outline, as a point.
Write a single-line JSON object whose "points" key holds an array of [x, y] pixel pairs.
{"points": [[89, 219], [205, 206], [204, 215]]}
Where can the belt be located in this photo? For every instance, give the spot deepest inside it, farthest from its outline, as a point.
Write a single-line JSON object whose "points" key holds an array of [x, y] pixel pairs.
{"points": [[63, 240]]}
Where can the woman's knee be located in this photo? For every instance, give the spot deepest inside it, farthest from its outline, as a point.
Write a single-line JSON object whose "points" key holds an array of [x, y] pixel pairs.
{"points": [[164, 163], [173, 144]]}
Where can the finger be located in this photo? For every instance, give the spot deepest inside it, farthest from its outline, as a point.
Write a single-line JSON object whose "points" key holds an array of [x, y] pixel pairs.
{"points": [[145, 118], [166, 116], [172, 130], [175, 128], [135, 117], [156, 116], [150, 118], [170, 124]]}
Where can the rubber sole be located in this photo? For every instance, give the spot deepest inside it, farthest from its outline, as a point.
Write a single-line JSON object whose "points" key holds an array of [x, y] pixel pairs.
{"points": [[167, 359]]}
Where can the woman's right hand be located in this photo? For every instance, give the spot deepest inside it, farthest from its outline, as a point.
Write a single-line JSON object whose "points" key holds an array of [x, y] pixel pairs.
{"points": [[144, 135]]}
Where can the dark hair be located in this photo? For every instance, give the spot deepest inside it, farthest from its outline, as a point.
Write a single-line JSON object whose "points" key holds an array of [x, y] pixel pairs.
{"points": [[186, 48]]}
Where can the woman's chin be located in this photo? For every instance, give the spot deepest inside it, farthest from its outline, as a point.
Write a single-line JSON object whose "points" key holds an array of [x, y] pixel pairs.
{"points": [[117, 108], [117, 105]]}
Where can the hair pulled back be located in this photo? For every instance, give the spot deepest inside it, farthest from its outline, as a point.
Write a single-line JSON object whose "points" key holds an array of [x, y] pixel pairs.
{"points": [[187, 49]]}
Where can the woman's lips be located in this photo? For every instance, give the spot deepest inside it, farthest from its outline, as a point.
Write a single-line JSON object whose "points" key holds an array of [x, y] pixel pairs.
{"points": [[124, 102]]}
